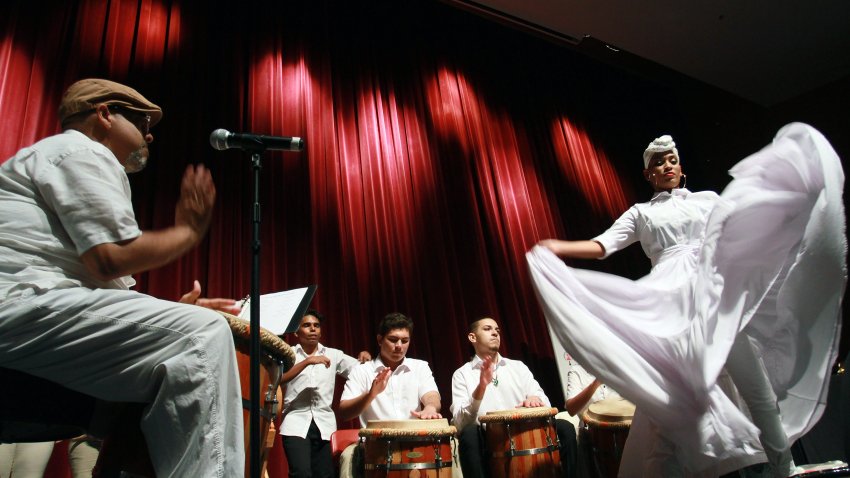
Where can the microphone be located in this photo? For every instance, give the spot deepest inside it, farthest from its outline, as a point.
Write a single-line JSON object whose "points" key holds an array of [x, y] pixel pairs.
{"points": [[222, 139]]}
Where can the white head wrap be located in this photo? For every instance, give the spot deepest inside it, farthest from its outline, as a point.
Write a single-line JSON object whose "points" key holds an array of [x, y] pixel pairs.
{"points": [[661, 144]]}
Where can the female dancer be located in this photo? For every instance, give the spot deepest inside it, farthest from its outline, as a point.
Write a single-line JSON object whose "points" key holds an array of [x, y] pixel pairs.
{"points": [[751, 280]]}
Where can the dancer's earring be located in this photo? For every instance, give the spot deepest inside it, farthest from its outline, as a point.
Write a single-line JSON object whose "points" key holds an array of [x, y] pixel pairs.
{"points": [[683, 182]]}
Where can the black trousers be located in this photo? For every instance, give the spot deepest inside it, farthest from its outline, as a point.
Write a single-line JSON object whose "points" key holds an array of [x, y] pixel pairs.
{"points": [[309, 457], [473, 457]]}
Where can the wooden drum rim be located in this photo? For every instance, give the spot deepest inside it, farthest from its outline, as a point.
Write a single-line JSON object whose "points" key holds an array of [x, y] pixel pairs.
{"points": [[618, 417], [271, 344], [446, 432], [517, 414], [408, 429]]}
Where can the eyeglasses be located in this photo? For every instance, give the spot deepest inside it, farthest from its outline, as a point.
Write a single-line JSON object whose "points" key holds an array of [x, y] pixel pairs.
{"points": [[141, 121]]}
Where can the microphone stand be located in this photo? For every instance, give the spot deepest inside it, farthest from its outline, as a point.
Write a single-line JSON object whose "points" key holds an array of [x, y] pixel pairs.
{"points": [[254, 350], [255, 145]]}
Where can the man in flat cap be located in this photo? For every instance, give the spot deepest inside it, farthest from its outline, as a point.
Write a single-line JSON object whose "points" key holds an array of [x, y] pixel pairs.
{"points": [[69, 243]]}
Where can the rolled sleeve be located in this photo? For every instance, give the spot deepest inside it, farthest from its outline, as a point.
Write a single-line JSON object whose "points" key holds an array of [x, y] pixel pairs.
{"points": [[575, 384], [346, 364], [357, 383], [426, 381], [464, 408], [90, 193], [531, 384], [621, 234]]}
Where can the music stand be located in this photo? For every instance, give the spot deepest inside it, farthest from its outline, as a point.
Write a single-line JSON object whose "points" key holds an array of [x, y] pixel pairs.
{"points": [[286, 308]]}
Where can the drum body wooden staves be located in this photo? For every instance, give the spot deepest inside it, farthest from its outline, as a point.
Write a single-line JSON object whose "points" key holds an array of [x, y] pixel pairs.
{"points": [[408, 448], [522, 443], [276, 357], [602, 435]]}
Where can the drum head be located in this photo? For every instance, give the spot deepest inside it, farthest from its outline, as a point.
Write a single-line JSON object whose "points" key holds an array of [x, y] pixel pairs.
{"points": [[515, 414], [611, 410], [409, 424], [408, 428]]}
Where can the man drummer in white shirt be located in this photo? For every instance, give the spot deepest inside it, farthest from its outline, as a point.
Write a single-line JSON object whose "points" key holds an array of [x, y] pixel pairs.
{"points": [[584, 389], [491, 382], [392, 386], [308, 420], [69, 245]]}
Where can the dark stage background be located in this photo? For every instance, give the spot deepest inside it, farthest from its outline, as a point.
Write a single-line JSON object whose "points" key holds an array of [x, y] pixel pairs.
{"points": [[440, 148]]}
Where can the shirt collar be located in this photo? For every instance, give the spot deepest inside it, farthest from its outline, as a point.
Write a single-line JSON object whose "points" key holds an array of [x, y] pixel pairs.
{"points": [[75, 132], [378, 365], [476, 361], [664, 195], [320, 349]]}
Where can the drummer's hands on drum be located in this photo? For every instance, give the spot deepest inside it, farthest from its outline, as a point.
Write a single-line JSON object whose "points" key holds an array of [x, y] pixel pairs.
{"points": [[224, 305], [531, 402], [427, 413], [364, 356]]}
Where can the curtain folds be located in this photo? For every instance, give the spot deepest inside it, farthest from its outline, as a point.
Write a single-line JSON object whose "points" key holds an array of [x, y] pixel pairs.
{"points": [[431, 164]]}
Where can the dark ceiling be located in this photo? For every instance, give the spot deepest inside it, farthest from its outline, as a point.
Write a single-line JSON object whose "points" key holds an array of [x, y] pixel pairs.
{"points": [[765, 52]]}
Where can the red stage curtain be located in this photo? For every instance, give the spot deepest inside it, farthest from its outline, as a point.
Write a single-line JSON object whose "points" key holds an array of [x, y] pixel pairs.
{"points": [[431, 166]]}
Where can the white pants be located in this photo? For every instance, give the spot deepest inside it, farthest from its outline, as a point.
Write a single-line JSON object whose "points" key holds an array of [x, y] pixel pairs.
{"points": [[24, 460], [82, 457], [123, 346], [347, 468], [752, 383]]}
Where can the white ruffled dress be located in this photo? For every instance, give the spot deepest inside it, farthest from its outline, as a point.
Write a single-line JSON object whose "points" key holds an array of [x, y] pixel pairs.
{"points": [[767, 258]]}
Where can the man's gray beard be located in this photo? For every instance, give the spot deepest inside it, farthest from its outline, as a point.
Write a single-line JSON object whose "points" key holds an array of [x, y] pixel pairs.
{"points": [[136, 161]]}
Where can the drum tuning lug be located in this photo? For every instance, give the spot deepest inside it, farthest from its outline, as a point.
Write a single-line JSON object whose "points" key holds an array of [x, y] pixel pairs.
{"points": [[511, 438], [389, 455], [271, 396]]}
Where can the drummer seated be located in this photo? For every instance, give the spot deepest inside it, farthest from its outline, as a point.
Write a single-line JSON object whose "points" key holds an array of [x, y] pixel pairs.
{"points": [[491, 382], [583, 389], [391, 386]]}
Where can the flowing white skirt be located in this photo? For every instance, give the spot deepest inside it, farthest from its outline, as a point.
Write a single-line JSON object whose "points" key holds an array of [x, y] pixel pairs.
{"points": [[772, 265]]}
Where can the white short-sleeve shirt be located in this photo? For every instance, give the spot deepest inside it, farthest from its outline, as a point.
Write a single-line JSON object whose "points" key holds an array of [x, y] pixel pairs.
{"points": [[408, 383], [673, 219], [512, 383], [309, 395], [59, 198], [578, 379]]}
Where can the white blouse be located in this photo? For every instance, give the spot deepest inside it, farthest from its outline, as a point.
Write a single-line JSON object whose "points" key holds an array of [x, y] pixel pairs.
{"points": [[669, 221]]}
